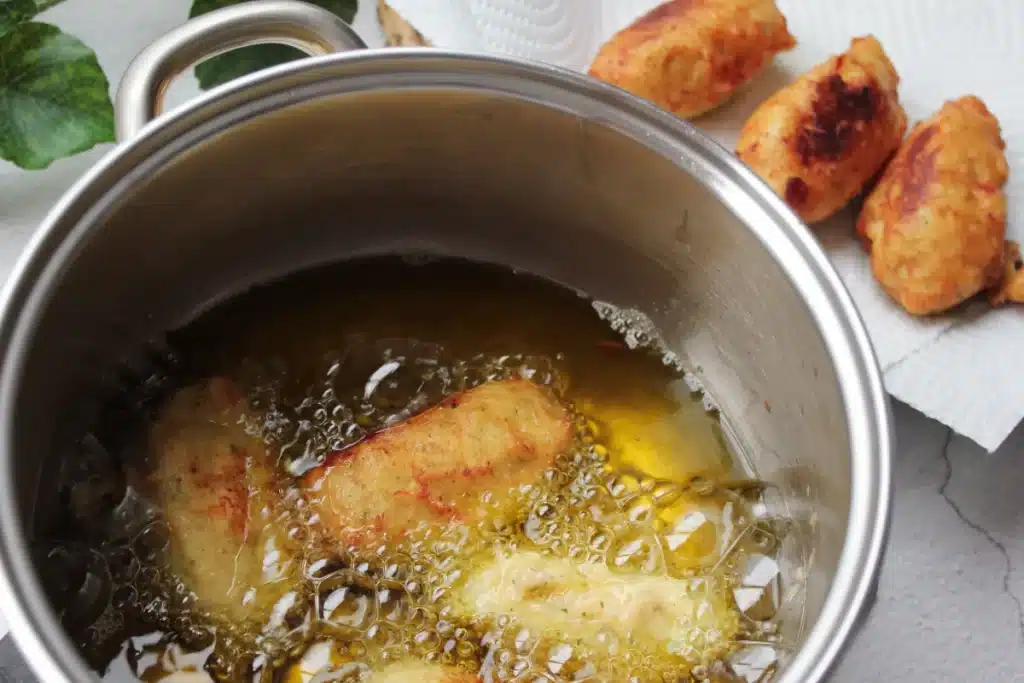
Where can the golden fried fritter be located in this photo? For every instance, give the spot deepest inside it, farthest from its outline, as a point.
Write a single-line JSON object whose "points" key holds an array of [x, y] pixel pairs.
{"points": [[936, 221], [1011, 288], [434, 466], [212, 481], [582, 599], [818, 141], [690, 56]]}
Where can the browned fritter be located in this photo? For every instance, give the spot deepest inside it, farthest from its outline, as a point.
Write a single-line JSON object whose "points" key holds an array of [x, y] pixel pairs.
{"points": [[1011, 288], [819, 140], [213, 483], [936, 222], [690, 56], [435, 466]]}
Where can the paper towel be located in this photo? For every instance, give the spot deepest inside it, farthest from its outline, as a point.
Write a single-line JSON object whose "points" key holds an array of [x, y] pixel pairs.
{"points": [[957, 368]]}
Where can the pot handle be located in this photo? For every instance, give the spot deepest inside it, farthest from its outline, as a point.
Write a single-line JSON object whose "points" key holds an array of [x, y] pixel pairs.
{"points": [[307, 27]]}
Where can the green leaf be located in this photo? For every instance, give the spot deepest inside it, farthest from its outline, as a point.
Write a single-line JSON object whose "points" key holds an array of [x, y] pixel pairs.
{"points": [[14, 12], [231, 65], [54, 98]]}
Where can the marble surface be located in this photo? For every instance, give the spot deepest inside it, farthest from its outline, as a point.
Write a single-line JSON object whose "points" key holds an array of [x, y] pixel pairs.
{"points": [[951, 594]]}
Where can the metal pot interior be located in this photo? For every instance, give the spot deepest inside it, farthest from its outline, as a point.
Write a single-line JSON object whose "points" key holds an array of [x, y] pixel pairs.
{"points": [[282, 184]]}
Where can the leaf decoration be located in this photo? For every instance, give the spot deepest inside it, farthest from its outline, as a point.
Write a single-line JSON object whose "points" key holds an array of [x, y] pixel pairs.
{"points": [[14, 12], [54, 97], [231, 65]]}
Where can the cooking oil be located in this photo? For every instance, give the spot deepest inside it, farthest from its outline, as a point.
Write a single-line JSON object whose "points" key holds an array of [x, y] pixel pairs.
{"points": [[648, 496]]}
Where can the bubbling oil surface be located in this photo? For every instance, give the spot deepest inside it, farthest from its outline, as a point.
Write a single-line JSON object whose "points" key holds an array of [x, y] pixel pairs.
{"points": [[330, 357]]}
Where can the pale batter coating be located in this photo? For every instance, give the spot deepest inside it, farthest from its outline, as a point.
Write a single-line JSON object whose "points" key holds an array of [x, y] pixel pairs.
{"points": [[212, 481], [690, 56], [321, 662], [936, 222], [818, 141], [422, 672], [434, 467], [583, 599]]}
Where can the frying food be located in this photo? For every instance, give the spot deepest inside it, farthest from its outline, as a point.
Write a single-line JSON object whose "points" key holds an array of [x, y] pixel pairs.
{"points": [[523, 498], [421, 672], [306, 672], [936, 222], [434, 466], [818, 141], [1012, 286], [690, 57], [212, 481], [187, 677], [584, 599], [321, 662]]}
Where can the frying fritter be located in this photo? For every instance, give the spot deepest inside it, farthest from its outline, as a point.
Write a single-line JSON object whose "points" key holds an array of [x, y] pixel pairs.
{"points": [[322, 662], [936, 222], [422, 672], [187, 677], [307, 671], [435, 466], [213, 482], [818, 141], [582, 599], [690, 56], [1012, 286]]}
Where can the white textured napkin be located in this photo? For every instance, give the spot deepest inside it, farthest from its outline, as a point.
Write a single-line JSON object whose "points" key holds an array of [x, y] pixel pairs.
{"points": [[962, 369]]}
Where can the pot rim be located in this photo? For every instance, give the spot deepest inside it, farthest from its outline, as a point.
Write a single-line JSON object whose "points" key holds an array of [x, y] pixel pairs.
{"points": [[40, 635]]}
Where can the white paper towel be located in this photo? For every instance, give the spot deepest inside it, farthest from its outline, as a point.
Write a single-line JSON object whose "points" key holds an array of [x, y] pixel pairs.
{"points": [[957, 369]]}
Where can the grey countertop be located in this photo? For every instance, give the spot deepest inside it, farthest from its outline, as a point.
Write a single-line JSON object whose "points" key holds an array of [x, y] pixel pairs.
{"points": [[952, 587], [951, 594]]}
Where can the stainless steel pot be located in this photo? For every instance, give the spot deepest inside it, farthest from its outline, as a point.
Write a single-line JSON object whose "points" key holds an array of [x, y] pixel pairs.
{"points": [[488, 158]]}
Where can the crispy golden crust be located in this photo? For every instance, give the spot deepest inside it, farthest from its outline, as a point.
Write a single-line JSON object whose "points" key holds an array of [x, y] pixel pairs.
{"points": [[936, 222], [1011, 288], [818, 141], [212, 482], [434, 466], [689, 56]]}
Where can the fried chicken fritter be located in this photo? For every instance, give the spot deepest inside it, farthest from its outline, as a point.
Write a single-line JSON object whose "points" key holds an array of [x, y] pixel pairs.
{"points": [[690, 56], [818, 141], [212, 481], [582, 599], [434, 466], [936, 222]]}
